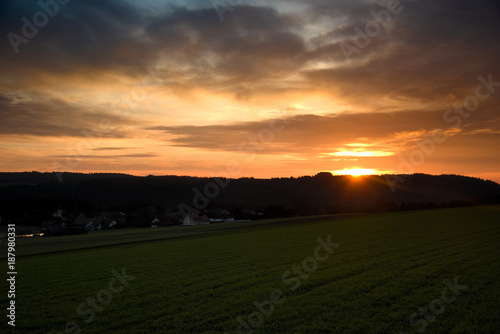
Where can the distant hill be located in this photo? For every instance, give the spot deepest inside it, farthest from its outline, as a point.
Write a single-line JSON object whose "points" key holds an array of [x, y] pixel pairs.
{"points": [[33, 194]]}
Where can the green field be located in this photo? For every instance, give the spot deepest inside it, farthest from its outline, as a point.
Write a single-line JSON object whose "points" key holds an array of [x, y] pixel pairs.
{"points": [[203, 279]]}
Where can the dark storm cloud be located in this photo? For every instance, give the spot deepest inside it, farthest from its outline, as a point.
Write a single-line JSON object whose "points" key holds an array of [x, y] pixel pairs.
{"points": [[84, 35], [432, 49], [112, 35], [454, 40]]}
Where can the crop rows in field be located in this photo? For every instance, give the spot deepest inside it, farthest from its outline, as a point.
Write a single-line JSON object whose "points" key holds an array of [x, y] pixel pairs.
{"points": [[386, 268]]}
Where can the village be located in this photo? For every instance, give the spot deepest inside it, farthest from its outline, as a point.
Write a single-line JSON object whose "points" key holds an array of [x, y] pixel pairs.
{"points": [[61, 223]]}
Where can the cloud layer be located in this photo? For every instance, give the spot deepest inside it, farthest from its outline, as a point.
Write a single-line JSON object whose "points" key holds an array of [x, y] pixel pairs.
{"points": [[171, 79]]}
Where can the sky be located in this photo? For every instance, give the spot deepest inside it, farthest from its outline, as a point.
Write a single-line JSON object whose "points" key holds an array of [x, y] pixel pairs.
{"points": [[253, 88]]}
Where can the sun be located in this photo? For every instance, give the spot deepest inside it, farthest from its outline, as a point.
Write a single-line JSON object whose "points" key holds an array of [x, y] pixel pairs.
{"points": [[355, 172]]}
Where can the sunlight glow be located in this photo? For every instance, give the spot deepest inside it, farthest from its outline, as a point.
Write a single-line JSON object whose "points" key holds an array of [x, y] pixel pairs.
{"points": [[357, 172], [361, 153]]}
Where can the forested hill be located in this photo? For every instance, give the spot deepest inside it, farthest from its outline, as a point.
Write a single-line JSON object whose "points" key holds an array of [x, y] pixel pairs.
{"points": [[322, 193]]}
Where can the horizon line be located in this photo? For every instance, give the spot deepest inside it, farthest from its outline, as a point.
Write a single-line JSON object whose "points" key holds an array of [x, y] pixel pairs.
{"points": [[245, 177]]}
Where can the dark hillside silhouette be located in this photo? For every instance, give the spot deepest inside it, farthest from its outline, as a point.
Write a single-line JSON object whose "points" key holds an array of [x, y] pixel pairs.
{"points": [[30, 197]]}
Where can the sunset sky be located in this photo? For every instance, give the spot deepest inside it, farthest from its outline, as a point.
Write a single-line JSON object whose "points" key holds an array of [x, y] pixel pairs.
{"points": [[251, 88]]}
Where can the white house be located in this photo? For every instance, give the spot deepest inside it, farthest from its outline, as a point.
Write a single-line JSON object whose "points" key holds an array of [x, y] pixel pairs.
{"points": [[155, 222], [194, 219]]}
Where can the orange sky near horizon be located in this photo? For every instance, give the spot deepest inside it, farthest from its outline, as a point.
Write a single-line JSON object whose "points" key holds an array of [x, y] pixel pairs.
{"points": [[274, 90]]}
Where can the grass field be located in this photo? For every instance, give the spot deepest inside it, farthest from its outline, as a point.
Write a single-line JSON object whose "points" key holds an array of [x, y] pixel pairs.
{"points": [[387, 269]]}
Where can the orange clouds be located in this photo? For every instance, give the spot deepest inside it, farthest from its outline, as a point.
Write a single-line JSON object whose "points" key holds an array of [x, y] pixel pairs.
{"points": [[183, 90]]}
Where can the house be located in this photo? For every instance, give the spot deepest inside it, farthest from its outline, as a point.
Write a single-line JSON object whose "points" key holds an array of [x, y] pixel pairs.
{"points": [[174, 218], [59, 214], [113, 224], [252, 214], [90, 224], [155, 222], [195, 219], [161, 221], [113, 219], [219, 215], [105, 220], [54, 228], [82, 220]]}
